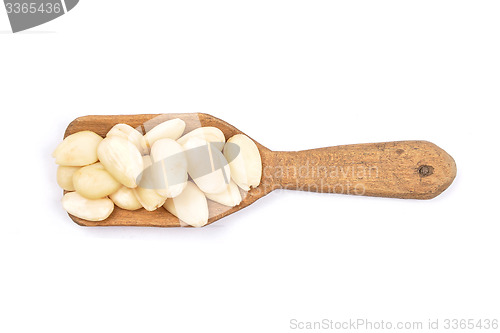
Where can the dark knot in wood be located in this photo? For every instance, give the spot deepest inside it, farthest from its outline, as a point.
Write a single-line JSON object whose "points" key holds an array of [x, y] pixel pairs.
{"points": [[425, 170]]}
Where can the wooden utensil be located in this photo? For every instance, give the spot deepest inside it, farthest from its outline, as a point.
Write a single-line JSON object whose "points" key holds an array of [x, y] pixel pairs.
{"points": [[401, 169]]}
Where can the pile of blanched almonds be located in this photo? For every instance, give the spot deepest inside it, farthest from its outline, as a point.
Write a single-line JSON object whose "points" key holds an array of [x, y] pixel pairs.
{"points": [[161, 168]]}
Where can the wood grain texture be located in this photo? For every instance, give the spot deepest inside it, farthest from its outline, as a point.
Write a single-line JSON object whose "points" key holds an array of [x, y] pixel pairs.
{"points": [[404, 169]]}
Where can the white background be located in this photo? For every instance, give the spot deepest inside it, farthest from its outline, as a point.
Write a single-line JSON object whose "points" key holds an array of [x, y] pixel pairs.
{"points": [[293, 75]]}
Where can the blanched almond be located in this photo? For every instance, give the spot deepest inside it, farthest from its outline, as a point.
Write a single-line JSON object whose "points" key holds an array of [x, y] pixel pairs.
{"points": [[231, 196], [244, 160], [170, 167], [149, 199], [209, 134], [65, 177], [87, 209], [190, 206], [122, 159], [94, 182], [131, 134], [78, 149], [207, 166], [125, 198], [170, 129], [145, 192]]}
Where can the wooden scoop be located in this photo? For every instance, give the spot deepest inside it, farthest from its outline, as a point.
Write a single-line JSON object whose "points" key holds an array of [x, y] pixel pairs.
{"points": [[401, 169]]}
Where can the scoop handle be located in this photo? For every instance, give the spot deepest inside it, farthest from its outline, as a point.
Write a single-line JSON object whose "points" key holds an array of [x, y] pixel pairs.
{"points": [[401, 169]]}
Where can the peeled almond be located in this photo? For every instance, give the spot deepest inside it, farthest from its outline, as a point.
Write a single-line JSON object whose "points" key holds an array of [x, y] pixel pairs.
{"points": [[131, 134], [122, 159], [145, 192], [87, 209], [209, 134], [170, 167], [78, 149], [125, 198], [231, 196], [94, 182], [170, 129], [207, 166], [190, 206], [149, 199], [65, 177], [244, 161]]}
